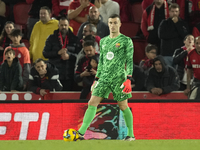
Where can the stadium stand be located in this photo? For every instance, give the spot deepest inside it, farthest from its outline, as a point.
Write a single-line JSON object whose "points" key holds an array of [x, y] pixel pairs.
{"points": [[20, 11]]}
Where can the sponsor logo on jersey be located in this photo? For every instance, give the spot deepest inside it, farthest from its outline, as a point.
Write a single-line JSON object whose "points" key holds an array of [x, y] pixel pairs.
{"points": [[194, 60], [110, 55], [195, 66], [117, 45]]}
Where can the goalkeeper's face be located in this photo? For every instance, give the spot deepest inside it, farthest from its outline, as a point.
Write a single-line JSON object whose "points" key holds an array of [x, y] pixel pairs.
{"points": [[114, 25]]}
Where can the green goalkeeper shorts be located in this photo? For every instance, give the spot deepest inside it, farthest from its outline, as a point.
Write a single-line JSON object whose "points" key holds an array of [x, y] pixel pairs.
{"points": [[103, 90]]}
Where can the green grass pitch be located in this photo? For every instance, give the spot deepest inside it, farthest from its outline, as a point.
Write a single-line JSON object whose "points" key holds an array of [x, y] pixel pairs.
{"points": [[101, 145]]}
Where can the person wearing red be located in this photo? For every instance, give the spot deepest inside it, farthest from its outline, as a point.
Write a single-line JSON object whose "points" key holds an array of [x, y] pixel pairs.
{"points": [[196, 30], [179, 59], [78, 13], [151, 19], [193, 67], [60, 7], [146, 3]]}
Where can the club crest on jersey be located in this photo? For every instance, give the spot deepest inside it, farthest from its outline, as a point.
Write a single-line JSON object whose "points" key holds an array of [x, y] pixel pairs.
{"points": [[117, 45], [110, 55]]}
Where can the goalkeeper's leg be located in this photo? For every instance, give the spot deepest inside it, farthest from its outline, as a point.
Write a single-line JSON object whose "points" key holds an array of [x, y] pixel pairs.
{"points": [[90, 113], [123, 105]]}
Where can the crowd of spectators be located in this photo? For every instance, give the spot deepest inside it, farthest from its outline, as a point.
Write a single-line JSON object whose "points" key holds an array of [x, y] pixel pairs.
{"points": [[64, 37]]}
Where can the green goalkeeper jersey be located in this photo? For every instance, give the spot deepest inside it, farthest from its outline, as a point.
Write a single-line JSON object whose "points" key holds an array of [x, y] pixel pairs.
{"points": [[116, 58]]}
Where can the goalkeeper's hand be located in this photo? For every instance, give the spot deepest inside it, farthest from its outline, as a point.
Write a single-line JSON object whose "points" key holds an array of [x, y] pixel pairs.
{"points": [[127, 86], [95, 83]]}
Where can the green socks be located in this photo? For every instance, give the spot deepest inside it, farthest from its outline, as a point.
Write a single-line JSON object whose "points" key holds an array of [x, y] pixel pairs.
{"points": [[88, 117], [129, 121]]}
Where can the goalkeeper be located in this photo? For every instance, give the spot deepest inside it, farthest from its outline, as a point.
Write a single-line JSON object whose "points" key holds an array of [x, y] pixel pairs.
{"points": [[113, 75]]}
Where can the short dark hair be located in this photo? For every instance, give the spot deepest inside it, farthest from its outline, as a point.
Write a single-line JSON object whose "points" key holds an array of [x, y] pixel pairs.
{"points": [[187, 37], [149, 47], [174, 6], [39, 60], [88, 38], [115, 16], [63, 18], [16, 32], [46, 8], [89, 43], [10, 50]]}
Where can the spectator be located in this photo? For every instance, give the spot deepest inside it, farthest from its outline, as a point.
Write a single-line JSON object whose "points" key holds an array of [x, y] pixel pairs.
{"points": [[22, 53], [44, 77], [193, 67], [34, 15], [138, 79], [147, 62], [172, 32], [196, 30], [162, 79], [41, 30], [107, 8], [11, 73], [94, 18], [2, 15], [151, 19], [60, 7], [81, 54], [61, 49], [179, 59], [78, 13], [5, 39], [81, 68], [146, 3], [90, 29], [88, 80]]}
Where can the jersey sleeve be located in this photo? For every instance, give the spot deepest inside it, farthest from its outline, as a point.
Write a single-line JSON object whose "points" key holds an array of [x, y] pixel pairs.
{"points": [[129, 57], [188, 62], [100, 64]]}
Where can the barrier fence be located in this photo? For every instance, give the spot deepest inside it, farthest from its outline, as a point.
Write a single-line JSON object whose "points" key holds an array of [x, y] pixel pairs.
{"points": [[47, 120], [75, 95]]}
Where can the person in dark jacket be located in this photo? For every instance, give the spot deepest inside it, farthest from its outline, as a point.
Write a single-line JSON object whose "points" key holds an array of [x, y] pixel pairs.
{"points": [[138, 79], [151, 19], [61, 49], [88, 80], [179, 59], [11, 73], [83, 72], [172, 31], [162, 79], [44, 77]]}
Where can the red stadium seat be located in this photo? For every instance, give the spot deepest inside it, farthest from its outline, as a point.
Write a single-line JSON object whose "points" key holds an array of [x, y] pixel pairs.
{"points": [[139, 50], [26, 42], [20, 11], [136, 12], [7, 11], [130, 28]]}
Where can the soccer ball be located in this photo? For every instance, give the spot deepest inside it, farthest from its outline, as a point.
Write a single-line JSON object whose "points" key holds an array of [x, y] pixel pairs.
{"points": [[70, 135]]}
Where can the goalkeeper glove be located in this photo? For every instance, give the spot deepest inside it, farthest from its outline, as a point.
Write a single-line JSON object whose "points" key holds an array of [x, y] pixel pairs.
{"points": [[95, 83], [127, 86]]}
